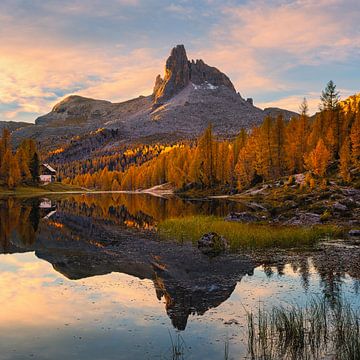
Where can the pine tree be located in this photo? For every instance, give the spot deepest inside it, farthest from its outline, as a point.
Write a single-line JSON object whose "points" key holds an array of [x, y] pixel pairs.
{"points": [[318, 159], [34, 168], [355, 141], [278, 146], [115, 186], [330, 104], [265, 149], [5, 165], [239, 143], [246, 166], [206, 146], [304, 108], [291, 146], [345, 161], [23, 164], [5, 144], [14, 172], [329, 97]]}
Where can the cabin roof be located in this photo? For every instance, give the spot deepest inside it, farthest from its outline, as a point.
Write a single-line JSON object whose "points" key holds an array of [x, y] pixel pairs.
{"points": [[49, 168]]}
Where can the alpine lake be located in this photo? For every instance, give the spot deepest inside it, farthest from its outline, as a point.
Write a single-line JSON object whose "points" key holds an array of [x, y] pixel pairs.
{"points": [[87, 276]]}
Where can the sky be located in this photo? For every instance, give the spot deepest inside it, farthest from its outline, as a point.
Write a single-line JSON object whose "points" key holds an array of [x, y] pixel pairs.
{"points": [[276, 52]]}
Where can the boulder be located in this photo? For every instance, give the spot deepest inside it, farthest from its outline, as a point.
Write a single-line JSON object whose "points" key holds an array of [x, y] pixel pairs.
{"points": [[245, 217], [354, 232], [339, 207], [304, 219], [212, 244]]}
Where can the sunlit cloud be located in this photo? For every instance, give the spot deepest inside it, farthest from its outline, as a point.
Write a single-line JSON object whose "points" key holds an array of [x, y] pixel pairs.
{"points": [[260, 42], [34, 78], [274, 51]]}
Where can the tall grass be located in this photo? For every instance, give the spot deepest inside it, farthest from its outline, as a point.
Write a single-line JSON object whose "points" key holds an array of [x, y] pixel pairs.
{"points": [[245, 235], [178, 347], [320, 329], [226, 349]]}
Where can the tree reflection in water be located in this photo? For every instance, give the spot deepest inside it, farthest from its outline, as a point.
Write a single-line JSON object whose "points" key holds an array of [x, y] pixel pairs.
{"points": [[83, 236]]}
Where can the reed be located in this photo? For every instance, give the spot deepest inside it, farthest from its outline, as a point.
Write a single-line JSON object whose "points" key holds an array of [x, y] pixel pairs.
{"points": [[317, 330]]}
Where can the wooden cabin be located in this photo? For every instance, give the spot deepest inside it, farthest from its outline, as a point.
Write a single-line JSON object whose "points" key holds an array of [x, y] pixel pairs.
{"points": [[47, 174]]}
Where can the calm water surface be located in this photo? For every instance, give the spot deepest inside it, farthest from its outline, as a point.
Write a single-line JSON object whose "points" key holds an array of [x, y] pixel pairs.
{"points": [[82, 278]]}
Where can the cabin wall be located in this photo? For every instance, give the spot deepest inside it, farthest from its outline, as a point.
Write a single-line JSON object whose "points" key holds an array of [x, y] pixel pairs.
{"points": [[46, 178]]}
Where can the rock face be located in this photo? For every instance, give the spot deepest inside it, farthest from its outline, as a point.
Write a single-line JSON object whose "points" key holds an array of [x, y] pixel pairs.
{"points": [[176, 75], [180, 72]]}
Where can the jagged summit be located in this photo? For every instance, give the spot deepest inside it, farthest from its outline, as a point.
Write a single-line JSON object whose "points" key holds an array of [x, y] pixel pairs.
{"points": [[180, 72]]}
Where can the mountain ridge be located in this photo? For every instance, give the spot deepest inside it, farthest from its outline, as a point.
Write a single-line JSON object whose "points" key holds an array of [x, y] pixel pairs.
{"points": [[189, 96]]}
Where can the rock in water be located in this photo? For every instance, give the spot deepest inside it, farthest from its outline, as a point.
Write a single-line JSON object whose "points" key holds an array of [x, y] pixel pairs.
{"points": [[354, 232], [212, 244]]}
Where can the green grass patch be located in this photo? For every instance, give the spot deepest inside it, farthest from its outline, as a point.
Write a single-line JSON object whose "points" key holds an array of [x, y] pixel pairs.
{"points": [[245, 235]]}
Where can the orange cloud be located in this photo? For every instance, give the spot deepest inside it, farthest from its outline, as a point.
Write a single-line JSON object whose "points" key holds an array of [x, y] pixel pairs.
{"points": [[31, 76], [258, 42]]}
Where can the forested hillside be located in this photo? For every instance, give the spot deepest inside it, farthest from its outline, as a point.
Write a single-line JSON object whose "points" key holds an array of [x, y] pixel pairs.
{"points": [[328, 144], [114, 159]]}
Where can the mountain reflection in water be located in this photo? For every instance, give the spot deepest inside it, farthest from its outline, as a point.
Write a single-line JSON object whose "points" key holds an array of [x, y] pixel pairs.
{"points": [[84, 236]]}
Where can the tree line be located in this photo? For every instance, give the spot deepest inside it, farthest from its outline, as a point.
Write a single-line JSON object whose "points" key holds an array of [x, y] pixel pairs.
{"points": [[327, 142], [20, 166]]}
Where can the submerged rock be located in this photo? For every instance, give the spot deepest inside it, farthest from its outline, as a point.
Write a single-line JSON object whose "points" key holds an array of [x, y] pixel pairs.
{"points": [[212, 244]]}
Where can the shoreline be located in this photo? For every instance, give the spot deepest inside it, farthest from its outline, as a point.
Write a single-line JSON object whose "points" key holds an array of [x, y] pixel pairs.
{"points": [[29, 191]]}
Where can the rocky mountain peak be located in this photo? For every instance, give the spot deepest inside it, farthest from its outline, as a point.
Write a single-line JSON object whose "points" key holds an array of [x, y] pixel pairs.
{"points": [[179, 72], [176, 75]]}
